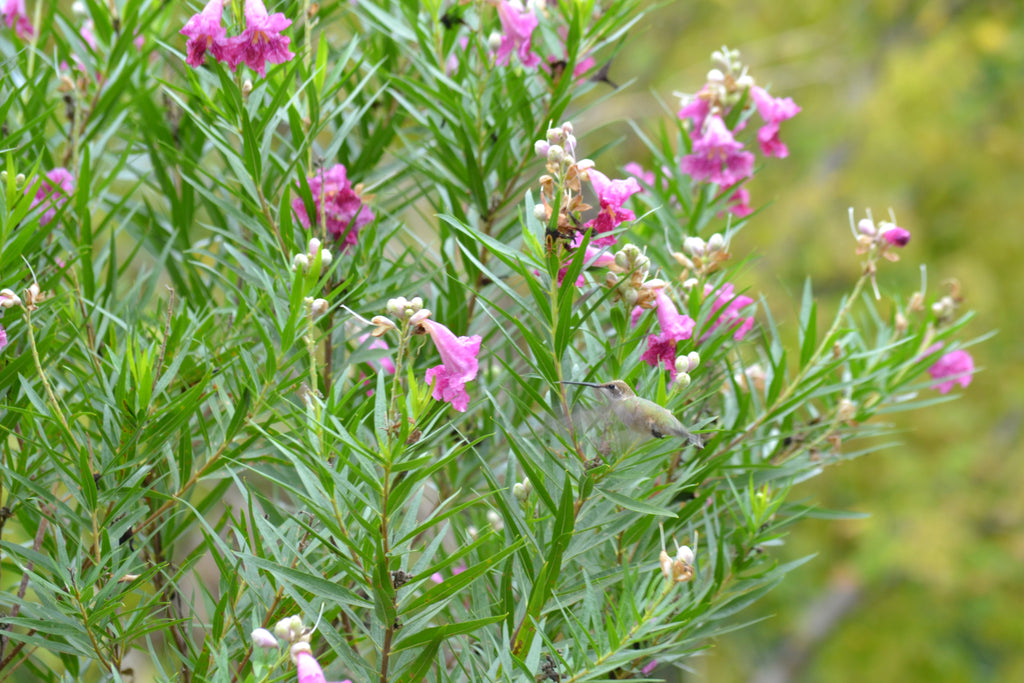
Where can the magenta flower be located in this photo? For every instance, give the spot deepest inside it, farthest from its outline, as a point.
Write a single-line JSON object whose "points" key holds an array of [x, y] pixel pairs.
{"points": [[738, 203], [205, 33], [661, 348], [731, 306], [717, 157], [308, 669], [895, 235], [697, 109], [16, 17], [517, 25], [458, 364], [774, 110], [337, 203], [3, 337], [261, 41], [953, 368], [612, 195], [53, 193]]}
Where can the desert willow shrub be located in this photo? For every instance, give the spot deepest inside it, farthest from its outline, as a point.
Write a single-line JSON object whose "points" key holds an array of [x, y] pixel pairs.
{"points": [[293, 295]]}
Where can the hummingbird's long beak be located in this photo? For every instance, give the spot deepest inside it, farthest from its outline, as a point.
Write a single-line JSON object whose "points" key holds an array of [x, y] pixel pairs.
{"points": [[582, 384]]}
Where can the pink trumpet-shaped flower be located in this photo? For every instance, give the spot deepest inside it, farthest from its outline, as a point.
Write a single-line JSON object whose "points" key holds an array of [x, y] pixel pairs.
{"points": [[952, 368], [261, 41], [334, 196], [16, 17], [675, 327], [612, 195], [53, 193], [517, 25], [205, 33], [717, 157], [308, 669], [732, 317], [458, 364], [774, 110]]}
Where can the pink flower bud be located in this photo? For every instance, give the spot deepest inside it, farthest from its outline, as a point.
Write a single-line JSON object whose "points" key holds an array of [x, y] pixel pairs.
{"points": [[895, 235], [261, 637]]}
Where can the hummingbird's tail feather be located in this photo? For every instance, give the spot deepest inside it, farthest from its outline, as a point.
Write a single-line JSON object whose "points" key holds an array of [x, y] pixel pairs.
{"points": [[695, 440]]}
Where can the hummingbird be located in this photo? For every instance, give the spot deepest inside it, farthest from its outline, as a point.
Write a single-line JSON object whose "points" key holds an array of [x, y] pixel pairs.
{"points": [[641, 415]]}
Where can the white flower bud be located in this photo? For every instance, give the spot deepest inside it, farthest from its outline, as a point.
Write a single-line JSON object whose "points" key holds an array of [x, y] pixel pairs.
{"points": [[300, 262], [313, 247], [472, 532], [694, 246], [318, 307], [382, 325], [540, 212], [298, 648], [693, 360], [630, 296], [246, 88], [555, 154], [495, 520], [325, 258], [288, 628], [622, 260], [416, 303], [716, 242], [866, 226], [520, 492], [261, 637], [494, 41], [684, 555], [555, 136], [567, 128], [683, 379], [9, 299], [716, 76], [745, 81], [690, 283], [540, 148], [19, 180], [396, 307]]}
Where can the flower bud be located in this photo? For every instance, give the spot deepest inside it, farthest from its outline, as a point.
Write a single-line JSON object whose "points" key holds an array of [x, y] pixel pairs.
{"points": [[901, 324], [716, 242], [472, 532], [318, 307], [666, 565], [716, 75], [540, 212], [693, 359], [690, 283], [567, 128], [520, 492], [246, 88], [684, 554], [9, 299], [694, 246], [313, 247], [289, 628], [494, 41], [682, 379], [300, 262], [895, 235], [396, 307], [495, 520], [555, 154], [325, 258], [416, 303], [846, 410], [261, 637], [19, 180], [630, 296], [540, 148], [555, 136], [866, 226]]}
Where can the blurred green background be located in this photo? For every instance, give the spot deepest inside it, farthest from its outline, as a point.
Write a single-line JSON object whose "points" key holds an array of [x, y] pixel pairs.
{"points": [[918, 107]]}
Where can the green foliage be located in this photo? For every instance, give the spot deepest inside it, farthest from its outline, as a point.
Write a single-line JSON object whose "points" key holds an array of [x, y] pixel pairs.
{"points": [[200, 437]]}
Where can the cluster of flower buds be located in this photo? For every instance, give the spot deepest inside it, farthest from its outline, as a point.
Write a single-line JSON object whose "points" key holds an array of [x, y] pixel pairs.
{"points": [[700, 257], [303, 262], [402, 308], [944, 309], [879, 238], [291, 631], [521, 490], [684, 366], [727, 80], [32, 297], [561, 186], [634, 289], [678, 569], [317, 307]]}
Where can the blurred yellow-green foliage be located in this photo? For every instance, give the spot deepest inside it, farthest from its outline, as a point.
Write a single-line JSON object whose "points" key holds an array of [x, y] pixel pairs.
{"points": [[919, 107]]}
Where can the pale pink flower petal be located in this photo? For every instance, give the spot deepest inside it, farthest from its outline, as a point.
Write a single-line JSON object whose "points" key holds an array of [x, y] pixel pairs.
{"points": [[53, 193], [612, 195], [774, 110], [731, 306], [675, 327]]}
